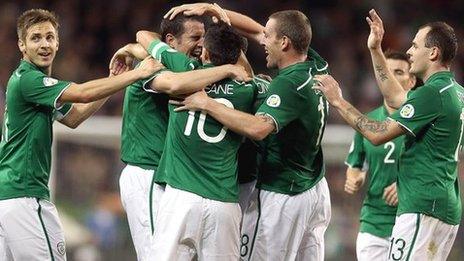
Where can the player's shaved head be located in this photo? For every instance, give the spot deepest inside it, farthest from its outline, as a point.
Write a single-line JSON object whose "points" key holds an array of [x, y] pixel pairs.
{"points": [[296, 26]]}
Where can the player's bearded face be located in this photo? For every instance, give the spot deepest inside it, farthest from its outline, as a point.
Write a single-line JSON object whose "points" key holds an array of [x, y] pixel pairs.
{"points": [[40, 45], [419, 54], [271, 44], [191, 41]]}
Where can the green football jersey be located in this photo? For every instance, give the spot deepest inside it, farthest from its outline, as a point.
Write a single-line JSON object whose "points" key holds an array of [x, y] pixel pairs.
{"points": [[433, 115], [144, 125], [293, 160], [25, 148], [377, 218], [249, 151]]}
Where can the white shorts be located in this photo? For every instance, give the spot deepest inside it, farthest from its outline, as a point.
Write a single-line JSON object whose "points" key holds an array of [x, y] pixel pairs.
{"points": [[30, 229], [246, 191], [191, 227], [370, 247], [420, 237], [140, 198], [283, 227]]}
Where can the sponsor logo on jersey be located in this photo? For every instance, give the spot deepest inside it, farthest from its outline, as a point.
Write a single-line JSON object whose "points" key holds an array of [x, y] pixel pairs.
{"points": [[49, 81], [407, 111], [273, 101]]}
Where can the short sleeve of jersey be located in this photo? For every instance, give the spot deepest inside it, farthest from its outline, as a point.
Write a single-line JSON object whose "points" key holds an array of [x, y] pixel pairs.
{"points": [[356, 155], [146, 83], [282, 103], [62, 111], [420, 109], [172, 59], [262, 91], [40, 89]]}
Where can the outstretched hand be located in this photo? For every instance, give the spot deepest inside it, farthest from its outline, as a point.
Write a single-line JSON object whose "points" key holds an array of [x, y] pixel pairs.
{"points": [[377, 31]]}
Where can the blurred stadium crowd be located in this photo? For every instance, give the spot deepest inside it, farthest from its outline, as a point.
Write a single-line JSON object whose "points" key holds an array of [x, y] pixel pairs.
{"points": [[91, 31]]}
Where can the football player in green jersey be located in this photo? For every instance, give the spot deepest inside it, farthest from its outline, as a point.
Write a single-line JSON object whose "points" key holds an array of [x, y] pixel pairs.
{"points": [[145, 122], [199, 215], [291, 212], [29, 225], [379, 207], [429, 208]]}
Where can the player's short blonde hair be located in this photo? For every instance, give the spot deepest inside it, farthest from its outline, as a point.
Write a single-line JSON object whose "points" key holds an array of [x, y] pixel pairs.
{"points": [[32, 17]]}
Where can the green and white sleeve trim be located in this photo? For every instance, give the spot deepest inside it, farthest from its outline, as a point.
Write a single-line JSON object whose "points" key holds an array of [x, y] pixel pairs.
{"points": [[156, 48], [273, 119], [402, 125], [146, 86], [55, 104]]}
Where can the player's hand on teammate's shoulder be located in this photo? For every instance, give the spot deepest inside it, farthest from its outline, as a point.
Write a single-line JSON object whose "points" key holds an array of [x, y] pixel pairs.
{"points": [[121, 61], [329, 87], [238, 73], [265, 77], [390, 195], [374, 41], [149, 66]]}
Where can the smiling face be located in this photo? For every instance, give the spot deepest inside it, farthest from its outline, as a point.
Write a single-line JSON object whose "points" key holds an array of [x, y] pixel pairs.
{"points": [[40, 45], [191, 41], [272, 44]]}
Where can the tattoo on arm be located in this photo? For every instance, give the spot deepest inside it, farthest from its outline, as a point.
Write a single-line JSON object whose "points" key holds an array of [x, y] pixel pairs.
{"points": [[268, 119], [363, 123], [380, 71]]}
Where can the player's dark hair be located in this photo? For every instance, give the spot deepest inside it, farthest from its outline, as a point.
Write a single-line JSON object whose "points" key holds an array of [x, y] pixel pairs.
{"points": [[396, 55], [223, 44], [442, 35], [32, 17], [296, 26], [176, 26]]}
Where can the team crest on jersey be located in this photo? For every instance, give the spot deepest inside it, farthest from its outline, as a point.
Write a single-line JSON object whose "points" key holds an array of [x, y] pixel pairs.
{"points": [[273, 101], [49, 81], [407, 111], [61, 248]]}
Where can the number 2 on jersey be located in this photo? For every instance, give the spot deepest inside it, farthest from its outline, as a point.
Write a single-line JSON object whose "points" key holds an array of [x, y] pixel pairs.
{"points": [[387, 158], [201, 124]]}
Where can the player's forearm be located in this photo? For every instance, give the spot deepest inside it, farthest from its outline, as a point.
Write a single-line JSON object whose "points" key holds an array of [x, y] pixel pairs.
{"points": [[98, 89], [245, 124], [245, 25], [81, 112], [136, 50], [375, 131], [189, 82], [144, 38], [391, 89], [243, 61]]}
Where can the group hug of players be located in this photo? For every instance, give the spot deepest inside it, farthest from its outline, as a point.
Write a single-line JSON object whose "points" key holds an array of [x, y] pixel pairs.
{"points": [[226, 165]]}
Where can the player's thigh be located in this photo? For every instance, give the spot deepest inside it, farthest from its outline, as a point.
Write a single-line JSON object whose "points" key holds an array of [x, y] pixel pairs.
{"points": [[319, 213], [280, 226], [221, 231], [32, 230], [5, 254], [444, 240], [178, 226], [370, 247]]}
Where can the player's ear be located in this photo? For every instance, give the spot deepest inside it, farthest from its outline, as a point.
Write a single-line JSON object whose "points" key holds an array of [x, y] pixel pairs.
{"points": [[21, 46], [434, 54], [285, 43], [170, 40]]}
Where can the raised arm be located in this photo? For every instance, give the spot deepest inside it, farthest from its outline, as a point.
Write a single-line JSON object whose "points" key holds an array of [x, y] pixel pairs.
{"points": [[377, 132], [242, 23], [391, 89]]}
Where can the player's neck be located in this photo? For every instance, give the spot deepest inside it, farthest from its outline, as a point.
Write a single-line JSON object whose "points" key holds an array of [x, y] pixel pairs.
{"points": [[434, 68], [46, 70], [291, 59]]}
